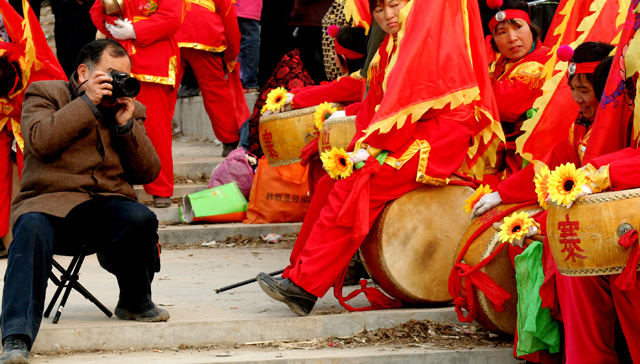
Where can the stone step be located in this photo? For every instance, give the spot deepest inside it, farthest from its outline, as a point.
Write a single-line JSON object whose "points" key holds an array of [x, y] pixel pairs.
{"points": [[363, 355], [189, 234], [178, 191], [192, 120]]}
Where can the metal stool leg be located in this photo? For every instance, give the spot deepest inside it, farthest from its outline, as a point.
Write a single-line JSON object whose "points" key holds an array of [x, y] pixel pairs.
{"points": [[72, 278], [61, 283]]}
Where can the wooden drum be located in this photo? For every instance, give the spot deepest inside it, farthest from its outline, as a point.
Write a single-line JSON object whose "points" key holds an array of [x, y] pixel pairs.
{"points": [[584, 239], [283, 135], [337, 133], [499, 269], [412, 244]]}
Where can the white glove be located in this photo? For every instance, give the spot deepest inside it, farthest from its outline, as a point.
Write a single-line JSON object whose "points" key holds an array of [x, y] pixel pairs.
{"points": [[533, 230], [486, 203], [123, 29], [338, 114], [288, 99], [360, 156], [586, 190]]}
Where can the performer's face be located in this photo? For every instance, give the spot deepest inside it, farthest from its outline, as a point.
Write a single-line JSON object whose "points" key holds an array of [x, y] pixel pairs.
{"points": [[513, 38], [584, 96], [387, 14]]}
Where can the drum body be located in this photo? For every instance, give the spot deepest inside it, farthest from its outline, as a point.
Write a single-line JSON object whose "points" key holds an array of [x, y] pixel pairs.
{"points": [[283, 135], [337, 133], [499, 269], [411, 246], [584, 238]]}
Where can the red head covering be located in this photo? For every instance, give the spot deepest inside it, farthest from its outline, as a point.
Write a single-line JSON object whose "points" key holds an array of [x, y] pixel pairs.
{"points": [[503, 15]]}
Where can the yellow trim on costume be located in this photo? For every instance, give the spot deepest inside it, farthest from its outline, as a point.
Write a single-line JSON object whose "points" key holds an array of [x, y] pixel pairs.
{"points": [[137, 18], [351, 12], [207, 4], [631, 59], [170, 80], [529, 73], [202, 47], [416, 111], [598, 179], [423, 148], [402, 20]]}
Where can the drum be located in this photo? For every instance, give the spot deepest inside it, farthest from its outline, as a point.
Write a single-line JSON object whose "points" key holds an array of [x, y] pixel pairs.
{"points": [[584, 239], [412, 243], [283, 135], [113, 7], [499, 269], [337, 132]]}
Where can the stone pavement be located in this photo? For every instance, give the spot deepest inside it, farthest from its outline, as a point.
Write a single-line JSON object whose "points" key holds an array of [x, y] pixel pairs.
{"points": [[185, 287]]}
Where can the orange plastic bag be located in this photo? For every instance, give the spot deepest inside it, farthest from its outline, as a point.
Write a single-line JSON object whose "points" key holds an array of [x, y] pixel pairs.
{"points": [[278, 194]]}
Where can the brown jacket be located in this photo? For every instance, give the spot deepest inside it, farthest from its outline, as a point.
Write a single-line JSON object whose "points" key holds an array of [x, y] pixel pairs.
{"points": [[71, 156]]}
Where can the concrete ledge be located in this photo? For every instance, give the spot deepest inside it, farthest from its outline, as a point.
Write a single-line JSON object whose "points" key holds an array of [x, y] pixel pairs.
{"points": [[178, 191], [215, 332], [363, 355], [184, 234]]}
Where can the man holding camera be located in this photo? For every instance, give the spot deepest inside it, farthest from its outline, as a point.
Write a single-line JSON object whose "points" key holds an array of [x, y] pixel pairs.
{"points": [[84, 148]]}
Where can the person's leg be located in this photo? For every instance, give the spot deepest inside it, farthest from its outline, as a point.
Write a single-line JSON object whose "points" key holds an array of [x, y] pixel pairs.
{"points": [[160, 102], [25, 280], [6, 180], [249, 51], [627, 305], [589, 319], [216, 94], [73, 30], [124, 234]]}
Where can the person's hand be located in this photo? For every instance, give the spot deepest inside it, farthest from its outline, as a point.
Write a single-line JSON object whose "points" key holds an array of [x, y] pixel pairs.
{"points": [[125, 111], [531, 231], [122, 29], [337, 114], [486, 203], [360, 155], [586, 190], [98, 86]]}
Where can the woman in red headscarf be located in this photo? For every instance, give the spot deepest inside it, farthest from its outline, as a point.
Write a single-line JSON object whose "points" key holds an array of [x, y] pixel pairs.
{"points": [[518, 72]]}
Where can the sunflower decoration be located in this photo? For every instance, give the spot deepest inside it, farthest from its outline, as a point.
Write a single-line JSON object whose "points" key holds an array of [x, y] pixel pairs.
{"points": [[473, 200], [541, 181], [515, 227], [275, 100], [337, 163], [323, 112], [565, 183]]}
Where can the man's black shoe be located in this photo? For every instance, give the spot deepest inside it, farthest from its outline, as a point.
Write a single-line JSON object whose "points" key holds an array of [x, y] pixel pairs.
{"points": [[15, 351], [228, 148], [298, 300]]}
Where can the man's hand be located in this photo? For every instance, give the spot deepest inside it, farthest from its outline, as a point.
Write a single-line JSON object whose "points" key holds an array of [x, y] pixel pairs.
{"points": [[98, 86], [125, 112], [123, 29], [486, 203]]}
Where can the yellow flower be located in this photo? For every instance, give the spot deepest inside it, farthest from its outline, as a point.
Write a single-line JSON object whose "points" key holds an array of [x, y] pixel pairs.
{"points": [[515, 227], [565, 183], [323, 112], [275, 100], [471, 201], [542, 188], [337, 163]]}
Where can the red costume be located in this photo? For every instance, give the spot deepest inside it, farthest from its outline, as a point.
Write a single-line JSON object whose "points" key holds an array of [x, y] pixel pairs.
{"points": [[516, 86], [345, 90], [154, 58], [426, 143], [37, 66], [209, 41]]}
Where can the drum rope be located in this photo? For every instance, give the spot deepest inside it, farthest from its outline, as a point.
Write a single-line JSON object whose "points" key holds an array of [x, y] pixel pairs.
{"points": [[476, 278], [376, 297], [626, 281]]}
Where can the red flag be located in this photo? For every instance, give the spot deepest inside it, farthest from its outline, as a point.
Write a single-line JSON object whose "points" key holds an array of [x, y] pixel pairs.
{"points": [[575, 22], [440, 63], [615, 126], [358, 10]]}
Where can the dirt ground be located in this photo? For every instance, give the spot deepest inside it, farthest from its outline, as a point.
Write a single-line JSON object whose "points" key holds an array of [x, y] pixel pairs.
{"points": [[285, 241]]}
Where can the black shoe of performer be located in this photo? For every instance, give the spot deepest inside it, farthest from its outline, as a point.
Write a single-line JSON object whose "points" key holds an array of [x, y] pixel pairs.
{"points": [[298, 300], [15, 351]]}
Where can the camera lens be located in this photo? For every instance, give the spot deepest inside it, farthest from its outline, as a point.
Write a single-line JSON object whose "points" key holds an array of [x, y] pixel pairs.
{"points": [[130, 87]]}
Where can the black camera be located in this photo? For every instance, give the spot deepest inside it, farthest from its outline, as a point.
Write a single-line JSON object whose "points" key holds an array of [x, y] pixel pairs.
{"points": [[123, 85]]}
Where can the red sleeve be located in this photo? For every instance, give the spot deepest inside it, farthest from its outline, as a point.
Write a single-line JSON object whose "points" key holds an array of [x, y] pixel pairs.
{"points": [[514, 98], [519, 187], [624, 168], [98, 17], [345, 90], [352, 109], [227, 13], [160, 25]]}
